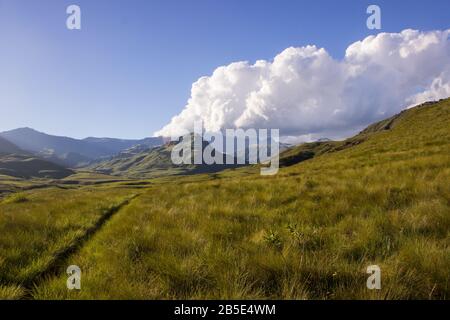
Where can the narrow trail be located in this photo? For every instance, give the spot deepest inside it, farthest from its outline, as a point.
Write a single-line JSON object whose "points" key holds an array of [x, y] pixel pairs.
{"points": [[61, 257]]}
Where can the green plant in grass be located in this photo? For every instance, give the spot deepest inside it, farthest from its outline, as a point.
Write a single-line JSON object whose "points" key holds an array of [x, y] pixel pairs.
{"points": [[273, 239]]}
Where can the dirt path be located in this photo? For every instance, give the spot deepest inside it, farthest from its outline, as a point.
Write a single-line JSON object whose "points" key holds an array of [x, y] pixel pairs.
{"points": [[61, 257]]}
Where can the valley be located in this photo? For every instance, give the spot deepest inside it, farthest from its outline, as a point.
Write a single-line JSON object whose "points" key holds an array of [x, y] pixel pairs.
{"points": [[147, 230]]}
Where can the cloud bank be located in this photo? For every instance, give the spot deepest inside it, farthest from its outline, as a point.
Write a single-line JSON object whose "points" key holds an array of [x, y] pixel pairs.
{"points": [[306, 92]]}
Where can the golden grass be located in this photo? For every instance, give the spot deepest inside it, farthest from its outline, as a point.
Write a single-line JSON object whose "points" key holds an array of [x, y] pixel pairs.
{"points": [[37, 226], [307, 233]]}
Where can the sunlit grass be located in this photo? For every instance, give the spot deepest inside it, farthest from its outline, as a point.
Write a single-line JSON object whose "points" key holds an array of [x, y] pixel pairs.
{"points": [[38, 225], [308, 233], [11, 292]]}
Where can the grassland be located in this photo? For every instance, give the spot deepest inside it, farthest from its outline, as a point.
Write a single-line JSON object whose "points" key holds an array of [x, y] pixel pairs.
{"points": [[38, 228], [307, 233]]}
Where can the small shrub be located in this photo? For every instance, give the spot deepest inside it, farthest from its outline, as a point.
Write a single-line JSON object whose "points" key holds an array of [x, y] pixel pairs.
{"points": [[273, 239]]}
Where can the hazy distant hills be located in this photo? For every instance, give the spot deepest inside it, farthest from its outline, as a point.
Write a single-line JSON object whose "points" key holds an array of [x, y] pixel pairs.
{"points": [[26, 166], [71, 152], [142, 162], [28, 153], [145, 162], [15, 162], [118, 145], [7, 147]]}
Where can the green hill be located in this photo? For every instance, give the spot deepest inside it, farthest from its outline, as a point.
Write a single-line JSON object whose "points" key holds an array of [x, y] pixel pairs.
{"points": [[70, 152], [307, 151], [27, 167], [17, 163], [309, 232], [143, 162]]}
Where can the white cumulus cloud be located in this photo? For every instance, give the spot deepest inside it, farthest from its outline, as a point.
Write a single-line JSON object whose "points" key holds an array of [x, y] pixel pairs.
{"points": [[306, 92]]}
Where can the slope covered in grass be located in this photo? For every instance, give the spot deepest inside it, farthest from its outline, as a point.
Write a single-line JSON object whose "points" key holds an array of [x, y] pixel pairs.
{"points": [[67, 151], [310, 150], [152, 163], [15, 162], [26, 166], [37, 226], [308, 232]]}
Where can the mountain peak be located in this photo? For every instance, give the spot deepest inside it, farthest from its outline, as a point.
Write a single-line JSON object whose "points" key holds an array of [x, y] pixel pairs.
{"points": [[23, 130]]}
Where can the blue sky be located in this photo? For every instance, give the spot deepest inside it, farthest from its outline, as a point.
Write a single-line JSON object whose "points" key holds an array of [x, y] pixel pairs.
{"points": [[131, 67]]}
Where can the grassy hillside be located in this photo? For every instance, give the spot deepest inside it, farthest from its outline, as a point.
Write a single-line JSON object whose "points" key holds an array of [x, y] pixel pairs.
{"points": [[67, 151], [151, 163], [26, 166], [39, 228], [307, 233], [14, 162], [308, 151]]}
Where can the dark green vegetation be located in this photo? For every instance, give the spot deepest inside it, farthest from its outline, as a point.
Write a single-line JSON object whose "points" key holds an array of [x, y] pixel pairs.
{"points": [[381, 197], [25, 166], [149, 163], [71, 152], [15, 162], [139, 162]]}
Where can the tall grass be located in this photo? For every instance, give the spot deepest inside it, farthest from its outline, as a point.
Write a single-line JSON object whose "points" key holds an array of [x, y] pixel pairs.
{"points": [[37, 226], [308, 233]]}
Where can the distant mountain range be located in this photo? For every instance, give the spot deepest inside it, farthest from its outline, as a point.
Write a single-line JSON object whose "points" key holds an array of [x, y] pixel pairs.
{"points": [[16, 162], [147, 157], [27, 153], [70, 152], [7, 147], [144, 162]]}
